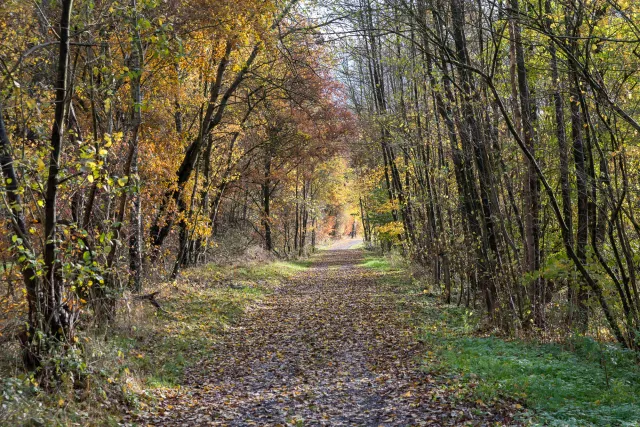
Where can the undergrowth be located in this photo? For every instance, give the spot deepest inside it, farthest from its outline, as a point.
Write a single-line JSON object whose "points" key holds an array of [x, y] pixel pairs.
{"points": [[144, 355], [579, 382], [563, 387], [387, 263]]}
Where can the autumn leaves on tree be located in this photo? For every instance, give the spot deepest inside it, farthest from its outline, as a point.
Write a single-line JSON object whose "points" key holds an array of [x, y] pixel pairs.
{"points": [[493, 144], [507, 140], [121, 122]]}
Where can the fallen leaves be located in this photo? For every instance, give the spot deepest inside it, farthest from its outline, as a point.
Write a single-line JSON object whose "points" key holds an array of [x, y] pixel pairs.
{"points": [[332, 348]]}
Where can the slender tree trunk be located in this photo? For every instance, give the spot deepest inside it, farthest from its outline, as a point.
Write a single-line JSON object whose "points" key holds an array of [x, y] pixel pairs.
{"points": [[561, 133], [531, 185], [59, 321], [135, 238], [578, 294], [266, 200]]}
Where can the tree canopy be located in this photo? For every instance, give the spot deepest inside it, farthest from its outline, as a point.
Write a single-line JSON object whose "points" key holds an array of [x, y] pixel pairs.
{"points": [[493, 144]]}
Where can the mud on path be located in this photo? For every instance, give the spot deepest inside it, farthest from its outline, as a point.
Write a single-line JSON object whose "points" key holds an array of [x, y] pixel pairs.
{"points": [[332, 348]]}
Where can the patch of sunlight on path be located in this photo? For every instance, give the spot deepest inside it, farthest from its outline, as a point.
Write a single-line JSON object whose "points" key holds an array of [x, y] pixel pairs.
{"points": [[343, 244]]}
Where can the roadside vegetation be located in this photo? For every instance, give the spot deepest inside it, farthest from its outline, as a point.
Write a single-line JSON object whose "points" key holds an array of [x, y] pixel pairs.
{"points": [[144, 356], [490, 149], [577, 381]]}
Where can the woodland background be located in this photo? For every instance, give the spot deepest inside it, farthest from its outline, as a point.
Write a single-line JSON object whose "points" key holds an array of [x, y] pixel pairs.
{"points": [[493, 144]]}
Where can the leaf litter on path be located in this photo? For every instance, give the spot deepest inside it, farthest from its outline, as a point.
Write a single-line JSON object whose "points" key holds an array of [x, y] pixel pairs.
{"points": [[334, 347]]}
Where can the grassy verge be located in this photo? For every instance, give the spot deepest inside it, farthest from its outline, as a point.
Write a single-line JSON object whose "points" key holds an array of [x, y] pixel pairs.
{"points": [[143, 356], [577, 383], [389, 263]]}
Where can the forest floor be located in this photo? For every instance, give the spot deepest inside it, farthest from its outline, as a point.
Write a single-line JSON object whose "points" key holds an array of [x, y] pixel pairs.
{"points": [[345, 338], [335, 345]]}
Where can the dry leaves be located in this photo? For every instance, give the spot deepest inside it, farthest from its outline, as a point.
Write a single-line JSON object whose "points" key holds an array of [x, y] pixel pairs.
{"points": [[332, 348]]}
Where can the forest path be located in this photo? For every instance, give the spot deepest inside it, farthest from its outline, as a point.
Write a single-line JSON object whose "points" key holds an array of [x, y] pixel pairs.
{"points": [[334, 347]]}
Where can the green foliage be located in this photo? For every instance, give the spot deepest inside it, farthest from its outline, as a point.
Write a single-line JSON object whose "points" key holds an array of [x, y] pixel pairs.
{"points": [[272, 271], [383, 263], [581, 383], [146, 352]]}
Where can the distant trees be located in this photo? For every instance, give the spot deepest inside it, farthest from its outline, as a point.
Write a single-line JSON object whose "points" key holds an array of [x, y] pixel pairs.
{"points": [[515, 123]]}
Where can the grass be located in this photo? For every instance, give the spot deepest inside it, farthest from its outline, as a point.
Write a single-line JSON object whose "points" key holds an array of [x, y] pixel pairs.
{"points": [[577, 383], [388, 263], [580, 382], [144, 355], [563, 387]]}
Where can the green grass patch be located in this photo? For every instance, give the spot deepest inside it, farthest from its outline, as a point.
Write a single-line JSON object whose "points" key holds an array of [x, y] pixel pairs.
{"points": [[144, 355], [159, 352], [564, 387], [272, 272], [382, 263], [580, 383]]}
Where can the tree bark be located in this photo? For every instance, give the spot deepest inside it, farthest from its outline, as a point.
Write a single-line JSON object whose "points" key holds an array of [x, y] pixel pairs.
{"points": [[59, 322]]}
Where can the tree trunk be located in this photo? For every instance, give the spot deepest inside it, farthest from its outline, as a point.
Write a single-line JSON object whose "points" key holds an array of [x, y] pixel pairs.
{"points": [[58, 320], [531, 184], [135, 237], [578, 294], [266, 200]]}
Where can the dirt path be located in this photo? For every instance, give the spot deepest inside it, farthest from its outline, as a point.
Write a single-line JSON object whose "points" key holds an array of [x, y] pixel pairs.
{"points": [[345, 244], [332, 348]]}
